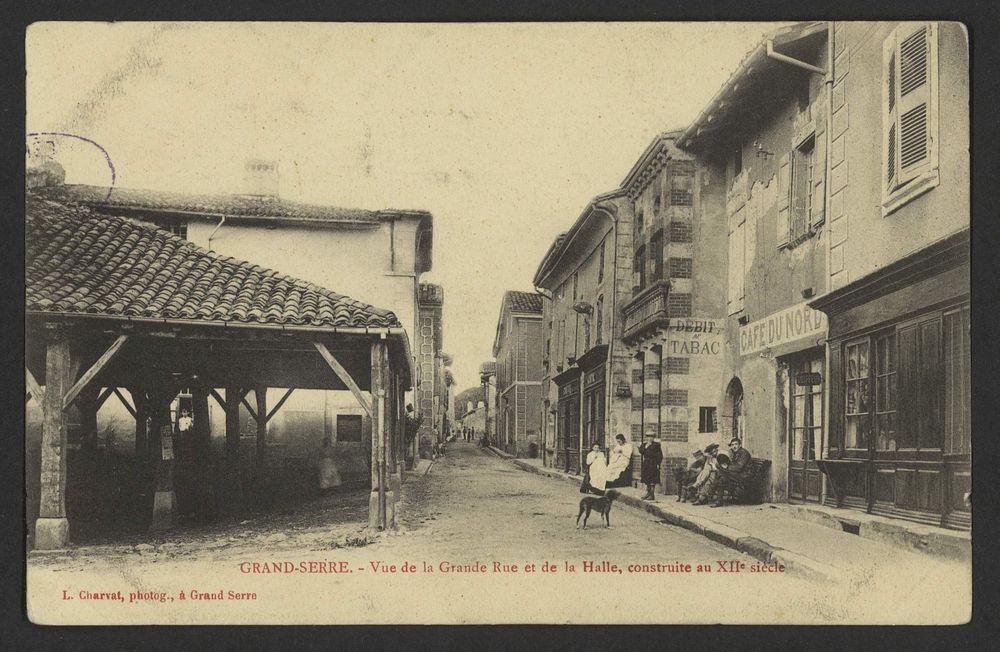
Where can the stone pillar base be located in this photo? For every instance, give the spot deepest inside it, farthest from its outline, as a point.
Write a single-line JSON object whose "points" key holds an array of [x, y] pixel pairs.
{"points": [[390, 509], [164, 508], [51, 533], [395, 482]]}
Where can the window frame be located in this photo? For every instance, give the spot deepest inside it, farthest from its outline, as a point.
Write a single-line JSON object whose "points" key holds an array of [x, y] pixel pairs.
{"points": [[900, 190]]}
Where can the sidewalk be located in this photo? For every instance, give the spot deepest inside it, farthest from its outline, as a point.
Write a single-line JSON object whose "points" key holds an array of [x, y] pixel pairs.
{"points": [[809, 540]]}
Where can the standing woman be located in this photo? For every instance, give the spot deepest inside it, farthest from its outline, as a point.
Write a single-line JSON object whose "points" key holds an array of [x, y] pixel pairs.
{"points": [[596, 476], [618, 463], [652, 456]]}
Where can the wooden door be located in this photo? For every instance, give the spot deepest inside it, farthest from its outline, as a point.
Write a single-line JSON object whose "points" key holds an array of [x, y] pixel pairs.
{"points": [[806, 428]]}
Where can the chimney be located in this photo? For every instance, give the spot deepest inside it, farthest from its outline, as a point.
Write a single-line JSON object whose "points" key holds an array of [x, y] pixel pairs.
{"points": [[260, 178]]}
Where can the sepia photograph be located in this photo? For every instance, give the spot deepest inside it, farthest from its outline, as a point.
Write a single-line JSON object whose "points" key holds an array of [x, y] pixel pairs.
{"points": [[497, 323]]}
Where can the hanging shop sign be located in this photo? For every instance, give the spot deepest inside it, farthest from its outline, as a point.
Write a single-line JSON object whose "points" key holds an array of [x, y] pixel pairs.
{"points": [[789, 325], [807, 379]]}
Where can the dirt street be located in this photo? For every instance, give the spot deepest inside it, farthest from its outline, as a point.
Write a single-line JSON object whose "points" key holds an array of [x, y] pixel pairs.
{"points": [[479, 541]]}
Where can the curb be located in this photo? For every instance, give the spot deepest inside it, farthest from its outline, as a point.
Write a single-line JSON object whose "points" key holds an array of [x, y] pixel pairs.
{"points": [[730, 537]]}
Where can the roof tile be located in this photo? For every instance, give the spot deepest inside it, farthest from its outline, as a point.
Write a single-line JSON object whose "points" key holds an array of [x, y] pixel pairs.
{"points": [[78, 261]]}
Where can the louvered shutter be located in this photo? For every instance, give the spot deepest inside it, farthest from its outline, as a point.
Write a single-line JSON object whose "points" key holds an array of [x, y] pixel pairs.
{"points": [[914, 102], [910, 75], [783, 198], [890, 147]]}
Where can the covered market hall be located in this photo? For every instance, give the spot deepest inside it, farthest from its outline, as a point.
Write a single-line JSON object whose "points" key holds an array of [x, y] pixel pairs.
{"points": [[117, 309]]}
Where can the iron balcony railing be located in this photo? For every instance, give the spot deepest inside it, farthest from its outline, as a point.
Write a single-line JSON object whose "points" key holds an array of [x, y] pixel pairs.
{"points": [[647, 310]]}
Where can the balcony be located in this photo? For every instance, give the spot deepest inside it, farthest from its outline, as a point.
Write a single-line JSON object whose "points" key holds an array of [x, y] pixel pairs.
{"points": [[646, 311]]}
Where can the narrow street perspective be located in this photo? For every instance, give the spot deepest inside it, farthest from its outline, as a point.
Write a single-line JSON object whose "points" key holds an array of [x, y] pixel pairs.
{"points": [[474, 524], [583, 322]]}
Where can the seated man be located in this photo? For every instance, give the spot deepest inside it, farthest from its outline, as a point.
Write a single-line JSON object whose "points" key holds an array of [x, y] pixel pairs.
{"points": [[686, 477], [736, 476]]}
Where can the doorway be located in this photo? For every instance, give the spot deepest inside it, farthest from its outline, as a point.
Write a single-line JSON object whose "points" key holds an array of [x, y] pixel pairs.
{"points": [[805, 425]]}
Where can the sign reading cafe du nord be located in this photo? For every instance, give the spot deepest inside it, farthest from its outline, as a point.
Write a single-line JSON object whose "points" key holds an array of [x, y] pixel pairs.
{"points": [[788, 325]]}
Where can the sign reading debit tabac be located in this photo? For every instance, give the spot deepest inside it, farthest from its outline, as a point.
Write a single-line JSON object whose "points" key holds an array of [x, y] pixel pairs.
{"points": [[789, 325]]}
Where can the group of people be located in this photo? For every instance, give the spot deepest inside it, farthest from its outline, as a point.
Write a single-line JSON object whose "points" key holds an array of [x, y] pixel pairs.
{"points": [[468, 433], [708, 479], [713, 474], [601, 475]]}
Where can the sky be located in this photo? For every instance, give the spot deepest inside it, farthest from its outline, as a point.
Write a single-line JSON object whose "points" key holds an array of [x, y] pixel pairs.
{"points": [[503, 132]]}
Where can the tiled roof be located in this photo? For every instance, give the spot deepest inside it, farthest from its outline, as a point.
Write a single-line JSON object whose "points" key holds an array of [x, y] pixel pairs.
{"points": [[229, 205], [78, 261], [524, 301]]}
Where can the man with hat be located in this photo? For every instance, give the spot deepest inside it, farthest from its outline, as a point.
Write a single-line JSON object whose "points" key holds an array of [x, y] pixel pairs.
{"points": [[652, 457], [687, 477], [735, 476]]}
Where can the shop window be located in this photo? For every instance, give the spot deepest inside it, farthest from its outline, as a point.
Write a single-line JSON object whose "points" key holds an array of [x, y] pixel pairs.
{"points": [[806, 411], [909, 113], [707, 419], [858, 402], [885, 392], [957, 414]]}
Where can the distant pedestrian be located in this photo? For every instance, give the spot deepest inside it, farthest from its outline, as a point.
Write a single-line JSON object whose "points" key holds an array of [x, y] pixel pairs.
{"points": [[652, 457]]}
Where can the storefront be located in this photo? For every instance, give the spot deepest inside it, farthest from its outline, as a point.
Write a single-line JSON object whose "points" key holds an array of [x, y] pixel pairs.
{"points": [[568, 421], [593, 368], [900, 430]]}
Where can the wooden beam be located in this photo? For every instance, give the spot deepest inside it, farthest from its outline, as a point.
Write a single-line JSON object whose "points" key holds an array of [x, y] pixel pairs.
{"points": [[95, 369], [218, 399], [128, 406], [246, 404], [261, 394], [277, 406], [33, 387], [105, 395], [344, 376]]}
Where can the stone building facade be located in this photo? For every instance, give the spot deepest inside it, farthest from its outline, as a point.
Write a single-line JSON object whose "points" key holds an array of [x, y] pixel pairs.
{"points": [[674, 321], [430, 366], [842, 149], [585, 278], [518, 352]]}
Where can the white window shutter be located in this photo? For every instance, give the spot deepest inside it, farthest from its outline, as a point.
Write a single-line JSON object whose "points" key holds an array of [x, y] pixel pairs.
{"points": [[890, 144], [914, 54], [783, 194]]}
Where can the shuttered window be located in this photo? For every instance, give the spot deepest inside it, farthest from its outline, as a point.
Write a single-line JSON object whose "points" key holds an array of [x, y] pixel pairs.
{"points": [[909, 106]]}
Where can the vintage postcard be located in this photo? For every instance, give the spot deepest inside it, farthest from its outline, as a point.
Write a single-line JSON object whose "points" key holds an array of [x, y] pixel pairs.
{"points": [[652, 323]]}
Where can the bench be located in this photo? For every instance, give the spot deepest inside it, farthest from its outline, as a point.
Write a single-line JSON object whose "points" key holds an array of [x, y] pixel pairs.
{"points": [[750, 491]]}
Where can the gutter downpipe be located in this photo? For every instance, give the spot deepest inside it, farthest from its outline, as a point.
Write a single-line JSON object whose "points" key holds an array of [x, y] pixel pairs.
{"points": [[827, 357], [545, 415], [828, 82], [609, 386], [217, 227]]}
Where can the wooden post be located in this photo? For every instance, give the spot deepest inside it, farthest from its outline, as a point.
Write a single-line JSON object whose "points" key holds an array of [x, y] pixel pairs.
{"points": [[379, 516], [234, 498], [259, 461], [202, 449], [162, 454], [52, 526], [141, 437]]}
